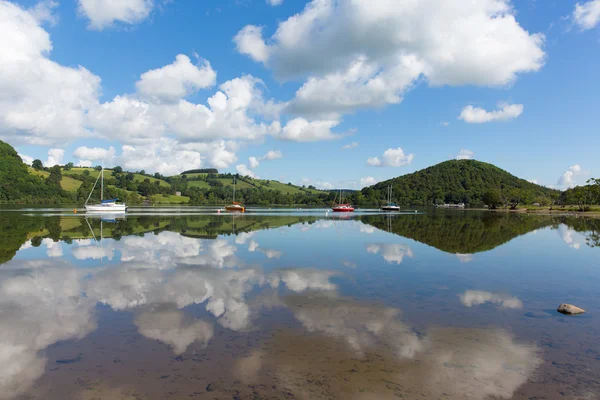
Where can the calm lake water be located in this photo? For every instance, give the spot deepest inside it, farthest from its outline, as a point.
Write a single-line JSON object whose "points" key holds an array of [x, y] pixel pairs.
{"points": [[296, 304]]}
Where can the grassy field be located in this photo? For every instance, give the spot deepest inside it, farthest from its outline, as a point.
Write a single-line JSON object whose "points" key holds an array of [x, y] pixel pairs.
{"points": [[198, 184], [169, 199], [109, 173], [67, 183]]}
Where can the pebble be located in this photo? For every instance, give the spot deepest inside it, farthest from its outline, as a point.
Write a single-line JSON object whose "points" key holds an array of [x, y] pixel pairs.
{"points": [[570, 309]]}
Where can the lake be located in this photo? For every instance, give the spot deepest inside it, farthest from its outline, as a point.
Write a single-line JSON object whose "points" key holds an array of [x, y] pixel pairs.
{"points": [[186, 303]]}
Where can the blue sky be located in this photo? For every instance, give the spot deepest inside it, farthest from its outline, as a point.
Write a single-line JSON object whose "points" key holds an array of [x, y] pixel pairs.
{"points": [[409, 84]]}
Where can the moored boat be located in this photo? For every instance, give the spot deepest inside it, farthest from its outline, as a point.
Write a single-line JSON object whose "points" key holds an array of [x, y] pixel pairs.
{"points": [[342, 207], [105, 206], [235, 206], [390, 206]]}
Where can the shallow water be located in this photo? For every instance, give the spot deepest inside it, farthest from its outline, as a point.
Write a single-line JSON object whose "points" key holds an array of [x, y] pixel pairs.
{"points": [[188, 303]]}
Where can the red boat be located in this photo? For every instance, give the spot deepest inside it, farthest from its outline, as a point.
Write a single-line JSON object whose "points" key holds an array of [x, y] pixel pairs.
{"points": [[341, 207]]}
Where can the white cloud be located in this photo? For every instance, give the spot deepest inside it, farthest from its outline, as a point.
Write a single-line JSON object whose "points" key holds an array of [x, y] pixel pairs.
{"points": [[253, 162], [302, 130], [392, 253], [587, 15], [171, 326], [324, 185], [26, 159], [227, 116], [464, 258], [275, 2], [249, 41], [534, 181], [360, 55], [362, 85], [477, 115], [368, 181], [42, 102], [569, 177], [95, 153], [392, 158], [272, 155], [445, 123], [44, 11], [104, 13], [572, 238], [55, 157], [175, 81], [350, 146], [84, 163], [243, 170], [472, 298], [465, 154]]}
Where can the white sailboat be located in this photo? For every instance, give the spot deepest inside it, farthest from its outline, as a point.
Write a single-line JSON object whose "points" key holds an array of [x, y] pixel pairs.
{"points": [[390, 206], [105, 206]]}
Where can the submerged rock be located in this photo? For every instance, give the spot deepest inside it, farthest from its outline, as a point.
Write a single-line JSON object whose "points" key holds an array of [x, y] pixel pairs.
{"points": [[569, 309], [213, 386]]}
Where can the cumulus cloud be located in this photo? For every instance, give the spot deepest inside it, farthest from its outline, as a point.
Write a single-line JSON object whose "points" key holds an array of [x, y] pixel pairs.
{"points": [[44, 11], [55, 157], [350, 146], [171, 326], [42, 102], [104, 13], [465, 154], [177, 80], [41, 303], [272, 155], [368, 181], [243, 170], [362, 56], [26, 159], [587, 15], [362, 85], [472, 298], [391, 158], [572, 238], [227, 116], [95, 153], [302, 130], [392, 253], [569, 177], [249, 41], [477, 115], [253, 162]]}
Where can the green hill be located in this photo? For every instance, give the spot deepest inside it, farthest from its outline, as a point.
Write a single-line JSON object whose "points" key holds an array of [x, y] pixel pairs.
{"points": [[18, 185], [459, 181]]}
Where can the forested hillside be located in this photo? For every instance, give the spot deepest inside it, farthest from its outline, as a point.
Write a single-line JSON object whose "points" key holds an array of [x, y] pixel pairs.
{"points": [[17, 184], [461, 181]]}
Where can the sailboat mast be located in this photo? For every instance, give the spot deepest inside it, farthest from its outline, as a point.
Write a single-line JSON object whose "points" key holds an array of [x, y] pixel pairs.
{"points": [[102, 185], [234, 189]]}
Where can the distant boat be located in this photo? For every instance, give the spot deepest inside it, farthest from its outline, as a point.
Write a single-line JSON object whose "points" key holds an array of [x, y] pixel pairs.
{"points": [[106, 206], [342, 207], [236, 207], [390, 206]]}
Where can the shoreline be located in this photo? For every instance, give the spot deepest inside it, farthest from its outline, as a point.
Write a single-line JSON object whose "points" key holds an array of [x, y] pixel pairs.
{"points": [[555, 213]]}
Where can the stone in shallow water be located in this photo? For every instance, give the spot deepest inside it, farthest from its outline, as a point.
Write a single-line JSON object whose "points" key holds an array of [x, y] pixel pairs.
{"points": [[213, 386], [570, 309]]}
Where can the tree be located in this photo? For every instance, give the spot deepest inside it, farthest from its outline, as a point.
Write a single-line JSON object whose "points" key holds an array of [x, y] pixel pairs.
{"points": [[68, 166], [118, 169], [37, 164], [515, 197], [98, 168], [55, 176], [493, 198], [86, 172]]}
